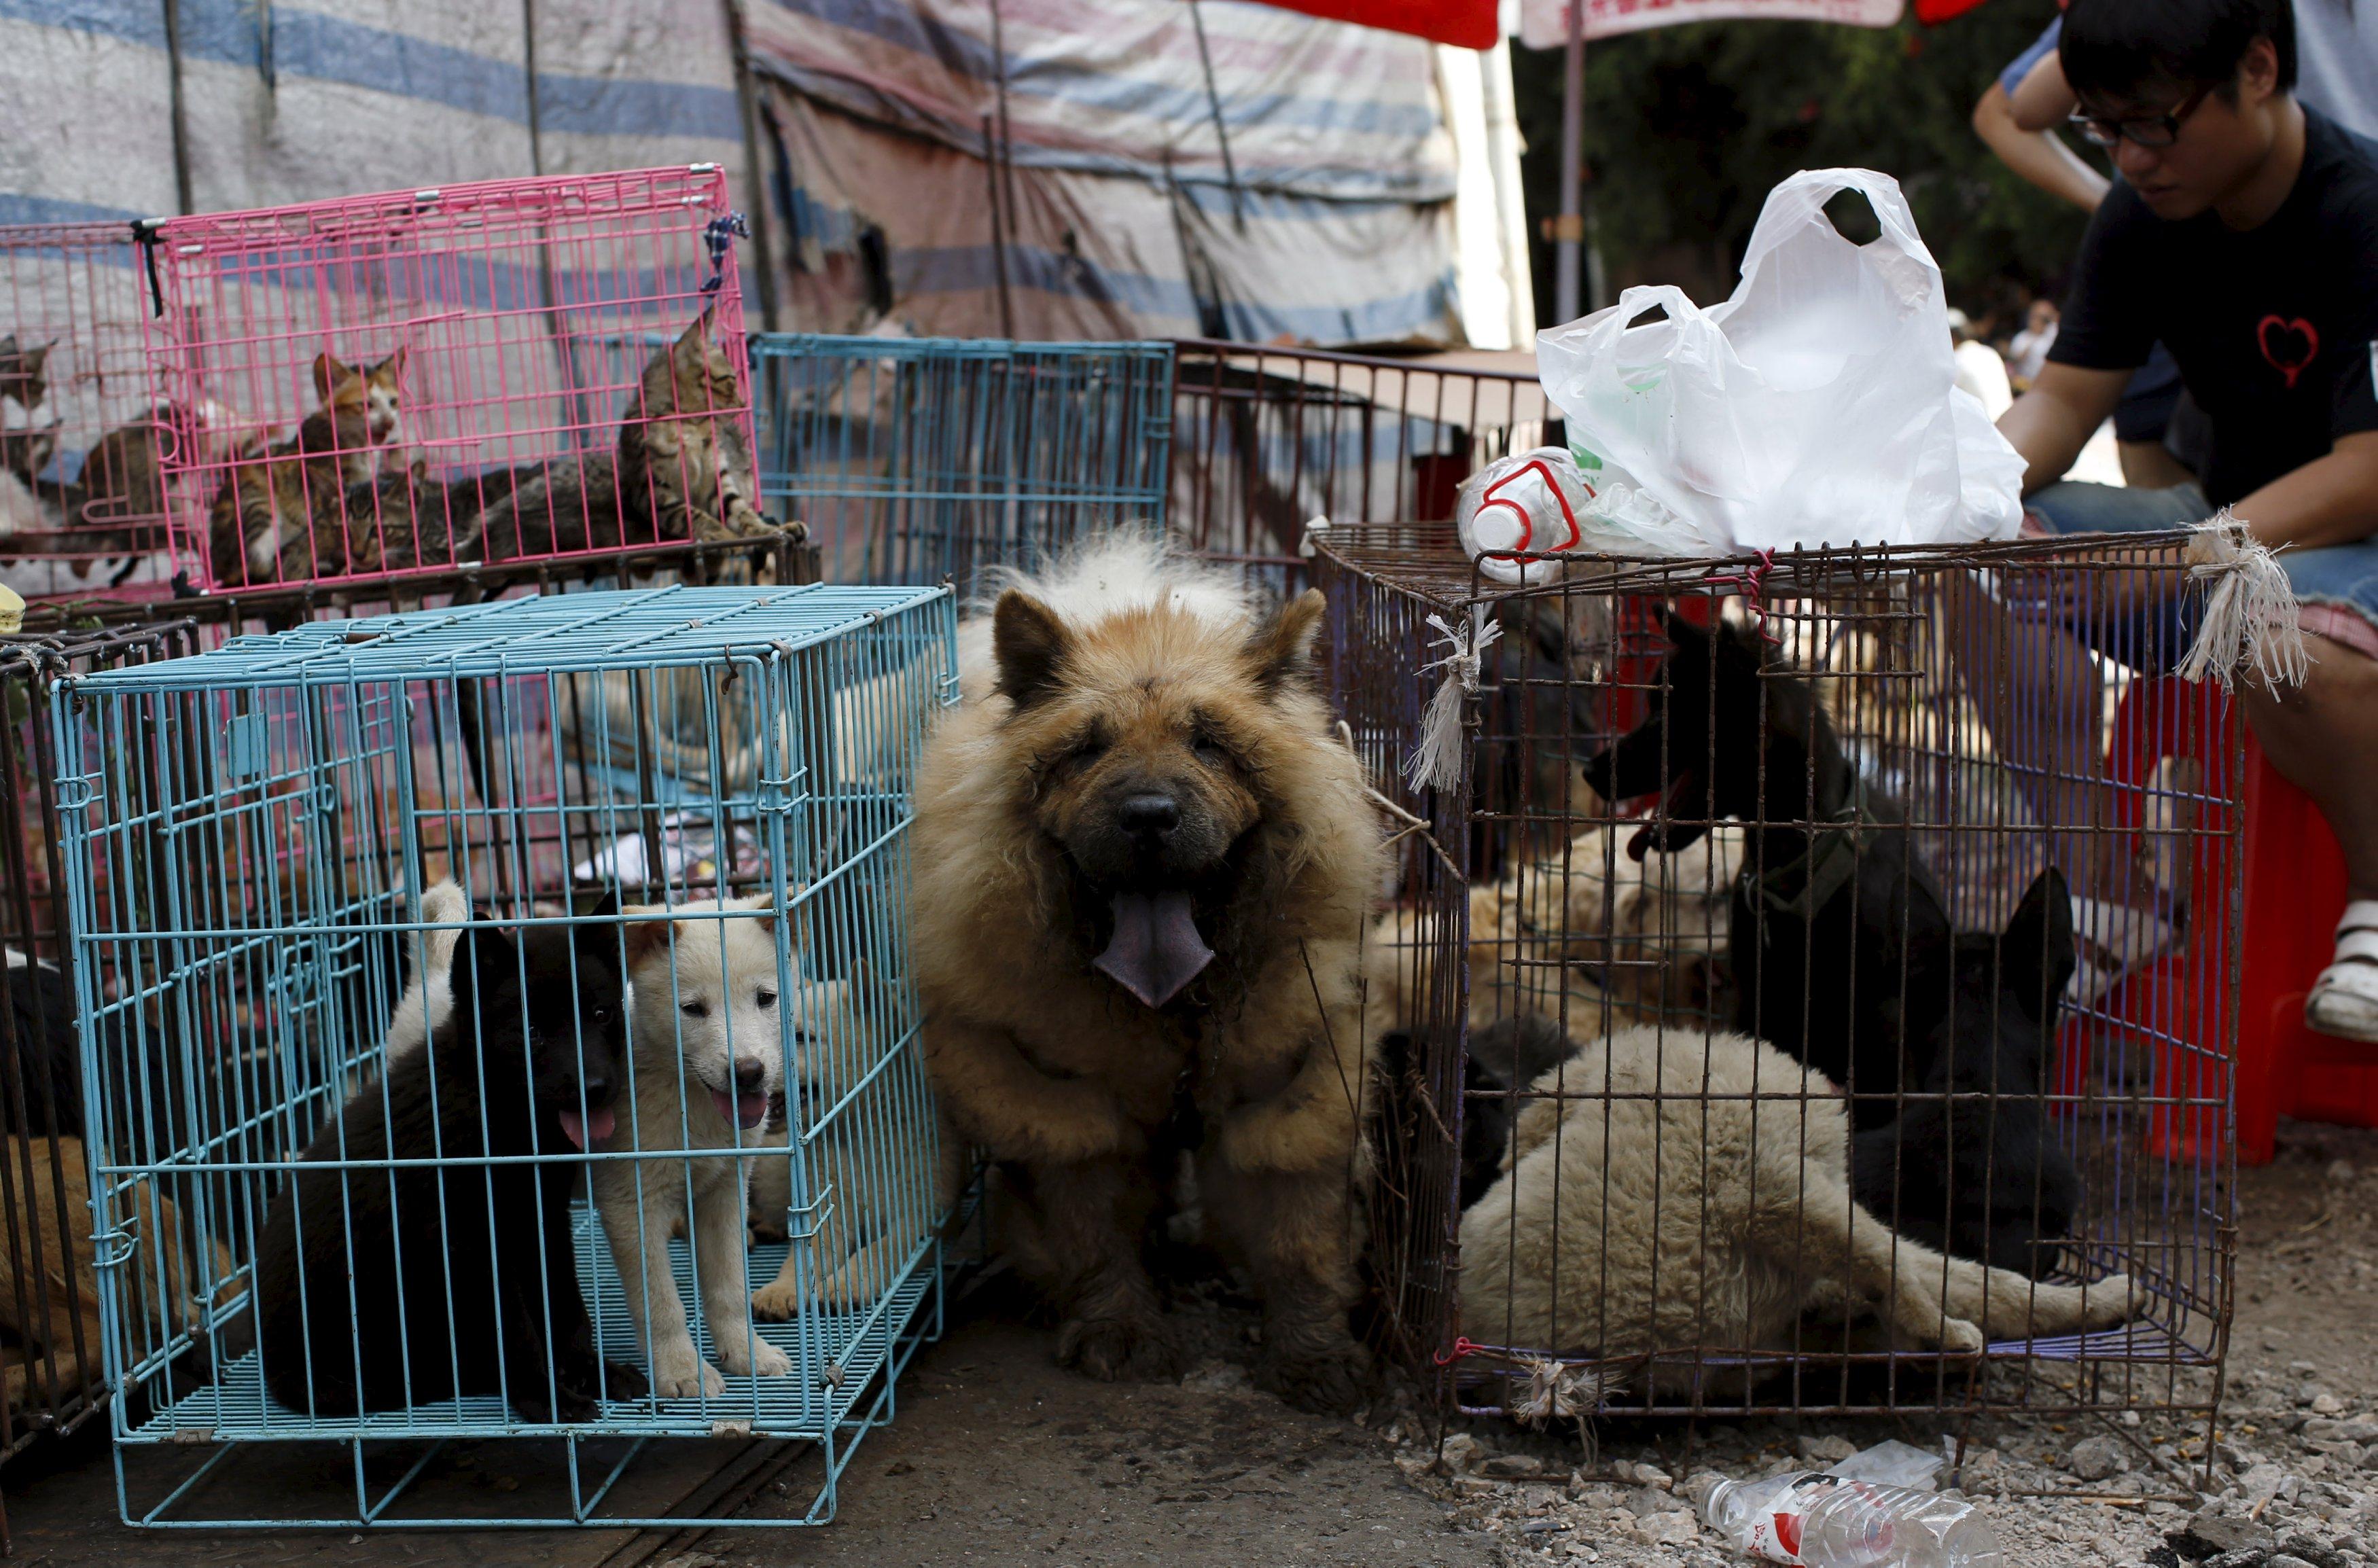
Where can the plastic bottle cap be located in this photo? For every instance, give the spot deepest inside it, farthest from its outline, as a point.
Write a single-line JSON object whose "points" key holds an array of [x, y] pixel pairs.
{"points": [[1499, 525]]}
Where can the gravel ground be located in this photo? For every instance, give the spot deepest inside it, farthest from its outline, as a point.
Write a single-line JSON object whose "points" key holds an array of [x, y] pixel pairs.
{"points": [[2295, 1473]]}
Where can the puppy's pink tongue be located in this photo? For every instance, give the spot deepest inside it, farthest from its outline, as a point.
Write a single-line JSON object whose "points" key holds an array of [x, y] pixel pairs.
{"points": [[746, 1111], [1156, 949], [586, 1131]]}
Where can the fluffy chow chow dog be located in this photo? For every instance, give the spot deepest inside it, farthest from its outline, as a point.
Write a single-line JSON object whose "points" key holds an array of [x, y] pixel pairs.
{"points": [[1143, 866]]}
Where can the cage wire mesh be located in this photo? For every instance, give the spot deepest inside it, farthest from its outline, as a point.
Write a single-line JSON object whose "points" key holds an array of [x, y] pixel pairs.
{"points": [[82, 502], [1767, 884], [493, 372], [50, 1351], [1266, 439], [916, 461], [389, 933]]}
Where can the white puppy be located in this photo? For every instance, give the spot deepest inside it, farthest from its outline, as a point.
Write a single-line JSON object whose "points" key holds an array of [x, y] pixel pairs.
{"points": [[706, 1049]]}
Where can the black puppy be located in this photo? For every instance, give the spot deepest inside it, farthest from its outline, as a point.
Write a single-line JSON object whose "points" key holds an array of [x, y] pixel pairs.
{"points": [[1975, 1170], [1505, 1057], [380, 1287], [1838, 935]]}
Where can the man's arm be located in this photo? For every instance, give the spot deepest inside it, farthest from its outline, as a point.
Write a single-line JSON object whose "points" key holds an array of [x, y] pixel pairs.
{"points": [[2051, 423], [2037, 155], [2330, 501], [2043, 100]]}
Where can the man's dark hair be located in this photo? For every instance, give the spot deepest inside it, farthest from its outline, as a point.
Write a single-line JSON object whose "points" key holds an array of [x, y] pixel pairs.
{"points": [[2139, 50]]}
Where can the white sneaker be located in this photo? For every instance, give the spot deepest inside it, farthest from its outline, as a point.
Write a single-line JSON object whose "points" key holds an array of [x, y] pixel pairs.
{"points": [[2344, 1000]]}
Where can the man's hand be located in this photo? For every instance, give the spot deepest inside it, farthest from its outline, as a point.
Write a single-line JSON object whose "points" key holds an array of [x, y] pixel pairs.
{"points": [[2330, 501], [2051, 423]]}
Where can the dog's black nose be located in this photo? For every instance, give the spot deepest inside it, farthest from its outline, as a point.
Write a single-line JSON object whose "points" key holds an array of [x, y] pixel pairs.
{"points": [[750, 1073], [1154, 815], [598, 1088]]}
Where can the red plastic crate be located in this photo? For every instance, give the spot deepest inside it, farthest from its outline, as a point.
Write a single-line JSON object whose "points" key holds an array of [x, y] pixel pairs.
{"points": [[2288, 888], [498, 335]]}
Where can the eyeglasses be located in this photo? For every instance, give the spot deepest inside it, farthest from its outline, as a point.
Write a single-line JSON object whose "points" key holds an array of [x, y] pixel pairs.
{"points": [[2144, 130]]}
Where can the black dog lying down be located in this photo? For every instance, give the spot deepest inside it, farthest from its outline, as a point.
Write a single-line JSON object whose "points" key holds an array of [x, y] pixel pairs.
{"points": [[1843, 953], [378, 1289]]}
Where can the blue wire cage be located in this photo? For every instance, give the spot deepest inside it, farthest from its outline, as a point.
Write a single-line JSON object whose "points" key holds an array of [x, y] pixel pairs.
{"points": [[916, 461], [286, 858]]}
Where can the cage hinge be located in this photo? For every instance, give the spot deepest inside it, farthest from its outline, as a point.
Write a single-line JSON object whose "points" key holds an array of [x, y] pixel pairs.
{"points": [[816, 1213], [76, 791], [113, 1248], [730, 1429]]}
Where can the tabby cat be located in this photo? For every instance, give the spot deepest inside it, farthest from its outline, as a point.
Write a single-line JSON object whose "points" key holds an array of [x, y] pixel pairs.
{"points": [[682, 468]]}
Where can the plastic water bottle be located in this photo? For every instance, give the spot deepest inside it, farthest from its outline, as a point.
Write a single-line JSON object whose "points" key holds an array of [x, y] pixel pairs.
{"points": [[1825, 1521]]}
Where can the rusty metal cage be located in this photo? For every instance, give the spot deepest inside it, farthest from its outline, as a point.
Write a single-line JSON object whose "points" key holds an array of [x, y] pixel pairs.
{"points": [[1749, 888], [49, 1294], [1265, 438]]}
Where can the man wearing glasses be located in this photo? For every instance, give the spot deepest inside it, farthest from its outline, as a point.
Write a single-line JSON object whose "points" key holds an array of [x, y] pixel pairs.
{"points": [[2243, 234]]}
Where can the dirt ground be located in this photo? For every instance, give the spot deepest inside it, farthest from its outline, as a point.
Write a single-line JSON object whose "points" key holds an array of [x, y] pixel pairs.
{"points": [[999, 1459]]}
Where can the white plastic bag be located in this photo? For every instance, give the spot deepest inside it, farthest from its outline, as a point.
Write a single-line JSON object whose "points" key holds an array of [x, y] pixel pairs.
{"points": [[1819, 405]]}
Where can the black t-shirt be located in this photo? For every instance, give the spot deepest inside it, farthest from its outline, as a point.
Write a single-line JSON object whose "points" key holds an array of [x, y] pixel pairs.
{"points": [[2275, 328]]}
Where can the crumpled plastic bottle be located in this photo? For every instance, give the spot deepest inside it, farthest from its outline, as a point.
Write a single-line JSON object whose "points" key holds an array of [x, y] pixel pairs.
{"points": [[1825, 1521]]}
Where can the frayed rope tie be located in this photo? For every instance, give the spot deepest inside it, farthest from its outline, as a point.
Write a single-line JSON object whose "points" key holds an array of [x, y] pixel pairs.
{"points": [[1437, 760], [1554, 1392], [2250, 611]]}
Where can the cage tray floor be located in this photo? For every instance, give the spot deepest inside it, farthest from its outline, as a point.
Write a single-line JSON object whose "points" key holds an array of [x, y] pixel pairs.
{"points": [[835, 1357]]}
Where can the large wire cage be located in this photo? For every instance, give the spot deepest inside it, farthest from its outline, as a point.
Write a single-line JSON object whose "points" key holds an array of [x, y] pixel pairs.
{"points": [[1772, 927], [921, 460], [82, 503], [1267, 439], [417, 380], [50, 1328], [391, 935]]}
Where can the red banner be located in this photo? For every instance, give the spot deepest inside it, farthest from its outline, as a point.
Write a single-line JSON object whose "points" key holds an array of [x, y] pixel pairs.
{"points": [[1468, 24]]}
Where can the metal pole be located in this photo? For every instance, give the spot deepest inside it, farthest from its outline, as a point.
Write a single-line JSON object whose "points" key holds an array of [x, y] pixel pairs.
{"points": [[755, 174], [1568, 229]]}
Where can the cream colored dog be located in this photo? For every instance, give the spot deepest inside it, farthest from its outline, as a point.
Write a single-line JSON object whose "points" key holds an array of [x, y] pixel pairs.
{"points": [[706, 1044], [1674, 1192]]}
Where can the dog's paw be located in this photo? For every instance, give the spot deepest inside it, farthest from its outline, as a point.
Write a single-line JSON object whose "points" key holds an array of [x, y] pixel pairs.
{"points": [[702, 1382], [776, 1301], [2116, 1298], [1959, 1338], [624, 1381], [1119, 1349], [767, 1361], [1332, 1380]]}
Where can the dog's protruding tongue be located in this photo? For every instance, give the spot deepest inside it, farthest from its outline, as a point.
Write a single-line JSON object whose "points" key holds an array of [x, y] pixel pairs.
{"points": [[745, 1112], [1156, 949], [590, 1130]]}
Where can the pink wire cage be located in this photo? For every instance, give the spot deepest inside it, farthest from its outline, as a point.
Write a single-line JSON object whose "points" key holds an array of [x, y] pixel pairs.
{"points": [[416, 381], [81, 508]]}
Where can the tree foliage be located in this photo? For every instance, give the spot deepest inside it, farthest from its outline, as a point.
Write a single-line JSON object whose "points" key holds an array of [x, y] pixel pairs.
{"points": [[1687, 129]]}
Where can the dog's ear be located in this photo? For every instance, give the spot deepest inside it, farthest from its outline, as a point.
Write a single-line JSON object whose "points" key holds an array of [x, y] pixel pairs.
{"points": [[484, 959], [2037, 954], [766, 904], [1029, 645], [1281, 651], [608, 905], [1684, 633], [639, 940]]}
